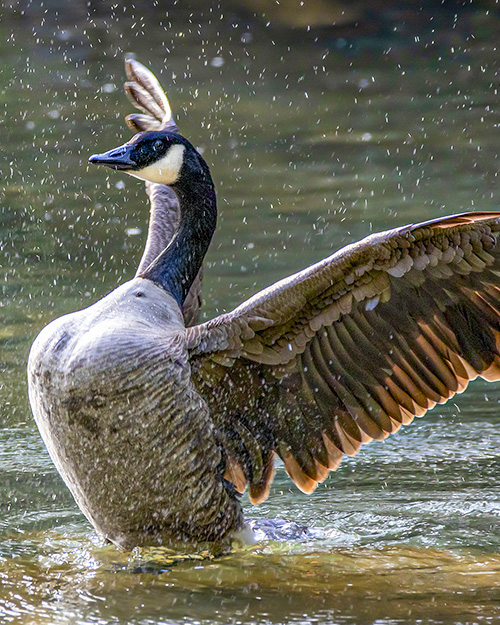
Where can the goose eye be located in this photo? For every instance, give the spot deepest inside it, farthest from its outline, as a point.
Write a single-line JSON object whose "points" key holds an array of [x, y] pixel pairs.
{"points": [[158, 144]]}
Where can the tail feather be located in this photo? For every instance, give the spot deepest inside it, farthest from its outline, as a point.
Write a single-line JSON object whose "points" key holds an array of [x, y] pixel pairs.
{"points": [[146, 94], [138, 122], [143, 100]]}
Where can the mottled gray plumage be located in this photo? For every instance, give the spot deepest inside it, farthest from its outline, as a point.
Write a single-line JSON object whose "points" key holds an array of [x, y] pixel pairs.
{"points": [[111, 391], [154, 426]]}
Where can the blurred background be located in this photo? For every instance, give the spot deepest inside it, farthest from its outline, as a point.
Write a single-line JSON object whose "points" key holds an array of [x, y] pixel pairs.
{"points": [[322, 121]]}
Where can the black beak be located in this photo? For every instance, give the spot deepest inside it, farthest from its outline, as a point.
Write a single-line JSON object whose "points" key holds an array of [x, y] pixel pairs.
{"points": [[118, 158]]}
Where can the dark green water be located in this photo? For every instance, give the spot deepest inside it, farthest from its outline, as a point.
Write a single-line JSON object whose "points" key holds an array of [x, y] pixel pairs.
{"points": [[314, 139]]}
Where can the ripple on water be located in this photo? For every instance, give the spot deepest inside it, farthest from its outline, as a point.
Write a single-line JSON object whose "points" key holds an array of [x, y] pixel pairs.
{"points": [[268, 583]]}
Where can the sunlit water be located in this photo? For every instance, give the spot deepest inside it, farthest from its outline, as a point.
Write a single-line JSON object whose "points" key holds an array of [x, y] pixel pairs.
{"points": [[314, 139]]}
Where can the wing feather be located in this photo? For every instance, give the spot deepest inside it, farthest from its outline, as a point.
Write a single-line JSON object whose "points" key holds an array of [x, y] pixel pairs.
{"points": [[352, 348]]}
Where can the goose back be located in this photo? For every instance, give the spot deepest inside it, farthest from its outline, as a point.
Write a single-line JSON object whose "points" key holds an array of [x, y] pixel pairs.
{"points": [[111, 392]]}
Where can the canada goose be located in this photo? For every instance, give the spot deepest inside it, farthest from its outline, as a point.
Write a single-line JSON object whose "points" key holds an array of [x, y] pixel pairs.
{"points": [[156, 427]]}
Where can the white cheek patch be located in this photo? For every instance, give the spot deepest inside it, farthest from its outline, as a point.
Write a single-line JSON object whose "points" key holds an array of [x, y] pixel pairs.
{"points": [[166, 170]]}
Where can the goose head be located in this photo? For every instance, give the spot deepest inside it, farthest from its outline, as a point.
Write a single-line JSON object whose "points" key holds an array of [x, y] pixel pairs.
{"points": [[156, 156], [168, 158]]}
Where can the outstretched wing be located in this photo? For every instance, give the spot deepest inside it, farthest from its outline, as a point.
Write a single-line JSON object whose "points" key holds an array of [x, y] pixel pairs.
{"points": [[146, 94], [351, 348]]}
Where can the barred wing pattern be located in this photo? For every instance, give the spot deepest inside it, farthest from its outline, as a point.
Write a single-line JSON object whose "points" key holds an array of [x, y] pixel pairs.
{"points": [[351, 348]]}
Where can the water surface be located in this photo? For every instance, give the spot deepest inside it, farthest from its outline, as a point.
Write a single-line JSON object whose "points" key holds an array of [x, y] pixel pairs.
{"points": [[315, 139]]}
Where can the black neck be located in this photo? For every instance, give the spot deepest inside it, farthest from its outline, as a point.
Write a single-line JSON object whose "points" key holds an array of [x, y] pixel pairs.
{"points": [[178, 265]]}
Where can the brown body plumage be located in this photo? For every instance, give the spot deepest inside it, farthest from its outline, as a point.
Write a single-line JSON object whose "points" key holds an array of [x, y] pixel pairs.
{"points": [[154, 425]]}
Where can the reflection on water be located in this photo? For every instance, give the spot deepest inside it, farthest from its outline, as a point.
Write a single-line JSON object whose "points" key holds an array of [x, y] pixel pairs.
{"points": [[315, 139], [267, 584]]}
